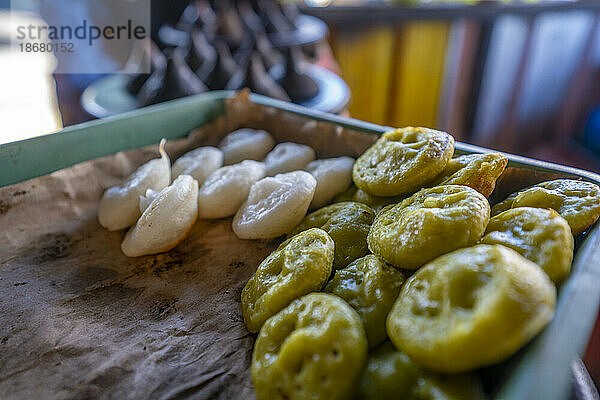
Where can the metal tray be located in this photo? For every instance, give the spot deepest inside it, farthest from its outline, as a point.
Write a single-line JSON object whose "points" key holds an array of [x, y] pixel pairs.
{"points": [[541, 371]]}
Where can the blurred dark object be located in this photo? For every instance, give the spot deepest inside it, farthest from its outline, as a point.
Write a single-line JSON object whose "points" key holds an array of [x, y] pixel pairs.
{"points": [[591, 134], [296, 81], [224, 70], [231, 44], [158, 64], [202, 56], [259, 81], [165, 12], [179, 79]]}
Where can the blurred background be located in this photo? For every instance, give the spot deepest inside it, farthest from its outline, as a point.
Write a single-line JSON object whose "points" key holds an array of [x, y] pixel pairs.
{"points": [[522, 77], [518, 76]]}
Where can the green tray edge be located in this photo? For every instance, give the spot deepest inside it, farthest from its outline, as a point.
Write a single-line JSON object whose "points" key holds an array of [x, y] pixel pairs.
{"points": [[544, 370], [30, 158]]}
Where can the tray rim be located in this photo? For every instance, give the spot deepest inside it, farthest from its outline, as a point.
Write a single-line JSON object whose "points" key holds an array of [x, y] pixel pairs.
{"points": [[13, 153], [522, 382]]}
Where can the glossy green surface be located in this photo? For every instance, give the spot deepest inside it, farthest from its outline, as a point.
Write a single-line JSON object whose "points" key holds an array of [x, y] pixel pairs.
{"points": [[431, 222], [478, 171], [538, 234], [576, 201], [299, 266], [313, 349], [347, 223], [375, 202], [402, 161], [471, 308], [390, 374], [371, 287]]}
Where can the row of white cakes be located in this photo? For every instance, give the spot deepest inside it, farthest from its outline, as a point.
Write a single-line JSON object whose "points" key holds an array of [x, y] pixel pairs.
{"points": [[267, 198]]}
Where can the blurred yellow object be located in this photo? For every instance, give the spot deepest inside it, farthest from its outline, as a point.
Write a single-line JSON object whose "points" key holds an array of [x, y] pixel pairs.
{"points": [[395, 74], [364, 57], [419, 71]]}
